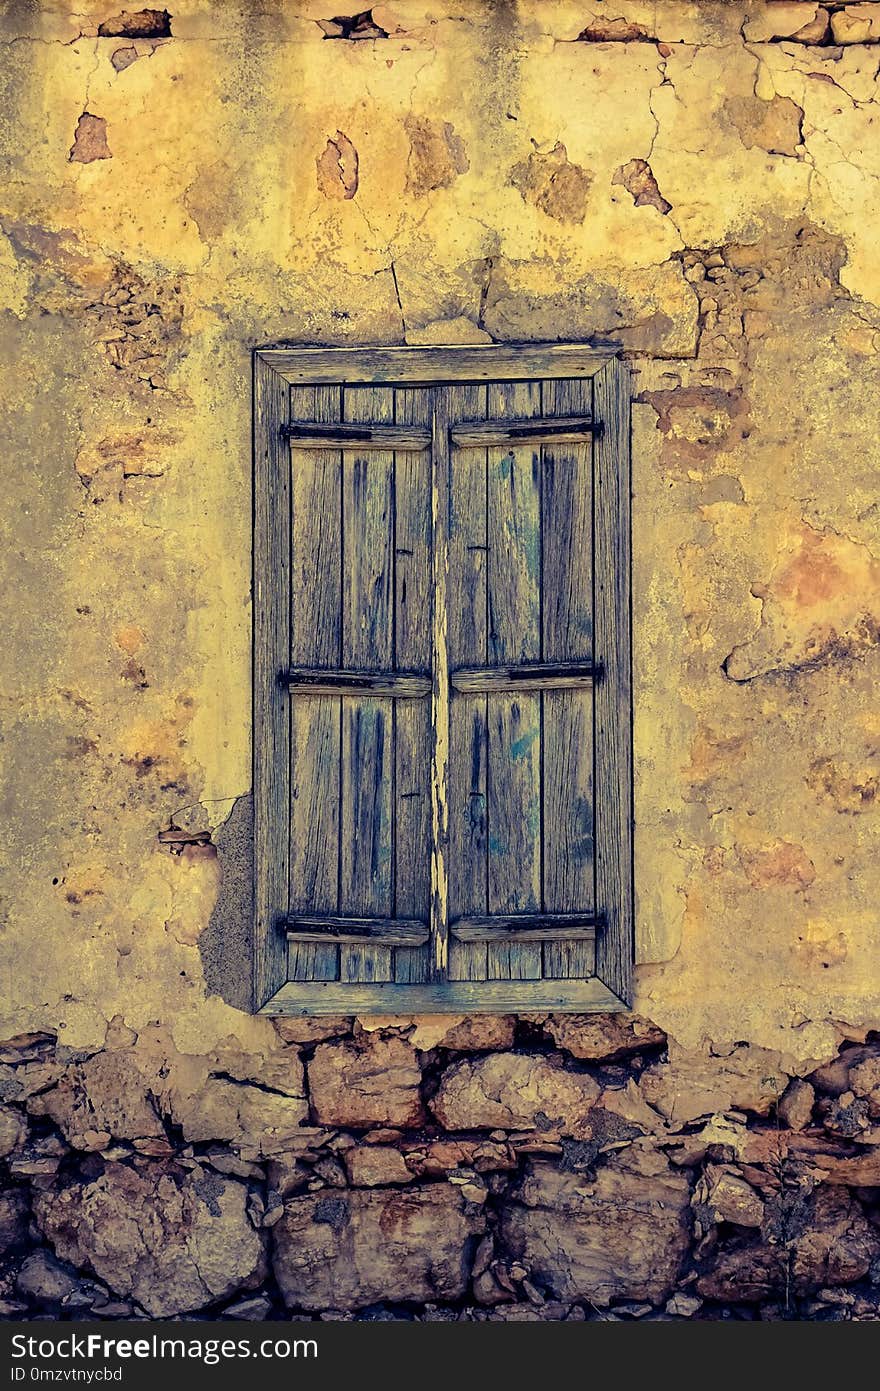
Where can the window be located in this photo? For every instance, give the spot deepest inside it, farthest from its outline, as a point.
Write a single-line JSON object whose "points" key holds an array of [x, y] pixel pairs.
{"points": [[442, 689]]}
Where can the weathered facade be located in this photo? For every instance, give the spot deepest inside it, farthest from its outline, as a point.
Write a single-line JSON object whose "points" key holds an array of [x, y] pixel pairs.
{"points": [[695, 186]]}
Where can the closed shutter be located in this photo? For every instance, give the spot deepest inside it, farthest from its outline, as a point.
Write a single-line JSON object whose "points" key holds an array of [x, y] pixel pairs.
{"points": [[442, 692]]}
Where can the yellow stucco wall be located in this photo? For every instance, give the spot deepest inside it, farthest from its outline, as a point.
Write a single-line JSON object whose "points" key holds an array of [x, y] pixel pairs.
{"points": [[703, 194]]}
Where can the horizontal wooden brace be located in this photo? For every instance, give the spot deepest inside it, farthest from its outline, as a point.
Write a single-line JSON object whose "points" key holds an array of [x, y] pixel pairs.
{"points": [[378, 932], [359, 437], [404, 685], [527, 927], [480, 434], [559, 996], [532, 676], [487, 362]]}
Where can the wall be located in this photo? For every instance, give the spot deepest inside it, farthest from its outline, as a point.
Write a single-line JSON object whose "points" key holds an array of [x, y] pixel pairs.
{"points": [[696, 184]]}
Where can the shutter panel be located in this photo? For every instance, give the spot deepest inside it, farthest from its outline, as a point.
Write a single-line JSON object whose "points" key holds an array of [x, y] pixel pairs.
{"points": [[456, 587], [361, 581], [521, 841]]}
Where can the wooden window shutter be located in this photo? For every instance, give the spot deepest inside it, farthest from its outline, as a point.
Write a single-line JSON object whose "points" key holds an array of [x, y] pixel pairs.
{"points": [[442, 689]]}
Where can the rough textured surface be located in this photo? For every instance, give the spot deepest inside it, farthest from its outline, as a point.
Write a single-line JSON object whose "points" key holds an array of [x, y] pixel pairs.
{"points": [[622, 1235], [173, 1240], [694, 186], [375, 1082], [509, 1090], [346, 1252]]}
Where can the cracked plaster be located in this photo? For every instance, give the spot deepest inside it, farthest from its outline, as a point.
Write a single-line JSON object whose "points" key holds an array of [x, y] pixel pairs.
{"points": [[134, 288]]}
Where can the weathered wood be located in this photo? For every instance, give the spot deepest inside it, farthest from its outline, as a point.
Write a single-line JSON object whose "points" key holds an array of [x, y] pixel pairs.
{"points": [[361, 437], [468, 642], [315, 638], [384, 932], [514, 826], [514, 588], [487, 433], [366, 818], [412, 648], [403, 685], [314, 827], [489, 362], [613, 698], [567, 632], [528, 676], [555, 927], [520, 570], [271, 547], [440, 506], [446, 997]]}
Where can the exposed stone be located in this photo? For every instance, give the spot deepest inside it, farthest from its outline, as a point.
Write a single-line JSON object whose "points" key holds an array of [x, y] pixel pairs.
{"points": [[684, 1306], [137, 24], [553, 183], [833, 1244], [603, 1037], [479, 1033], [372, 1082], [795, 1106], [847, 1116], [312, 1030], [12, 1130], [638, 179], [614, 31], [860, 1170], [621, 1235], [240, 1113], [864, 1080], [370, 1166], [106, 1096], [338, 168], [833, 1077], [437, 155], [804, 22], [14, 1209], [438, 1157], [253, 1310], [90, 140], [43, 1277], [695, 1084], [514, 1091], [731, 1199], [350, 1250], [172, 1239], [27, 1048], [856, 24], [356, 26]]}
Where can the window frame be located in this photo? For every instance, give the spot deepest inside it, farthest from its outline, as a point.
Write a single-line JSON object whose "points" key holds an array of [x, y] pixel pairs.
{"points": [[275, 370]]}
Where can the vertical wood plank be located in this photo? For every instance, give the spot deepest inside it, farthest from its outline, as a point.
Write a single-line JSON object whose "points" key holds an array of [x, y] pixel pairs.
{"points": [[440, 507], [365, 842], [315, 633], [613, 697], [366, 783], [468, 784], [567, 635], [468, 646], [568, 823], [314, 827], [514, 828], [412, 634], [514, 838], [271, 551]]}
